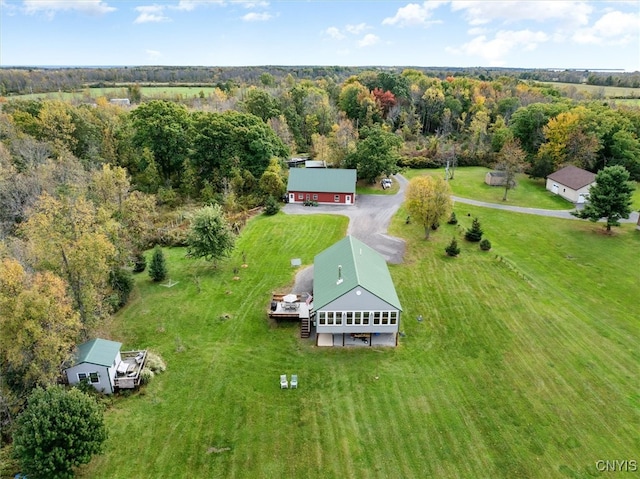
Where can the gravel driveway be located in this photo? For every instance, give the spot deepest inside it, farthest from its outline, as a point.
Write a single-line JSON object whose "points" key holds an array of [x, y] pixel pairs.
{"points": [[369, 219]]}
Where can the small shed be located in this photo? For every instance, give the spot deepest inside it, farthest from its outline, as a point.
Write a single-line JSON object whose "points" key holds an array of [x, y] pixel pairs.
{"points": [[495, 178], [572, 183], [334, 186], [96, 361]]}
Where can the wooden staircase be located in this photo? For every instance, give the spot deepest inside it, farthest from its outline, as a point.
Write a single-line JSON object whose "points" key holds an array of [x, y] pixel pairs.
{"points": [[305, 327]]}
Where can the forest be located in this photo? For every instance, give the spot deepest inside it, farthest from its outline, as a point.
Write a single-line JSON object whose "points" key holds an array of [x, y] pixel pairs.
{"points": [[86, 187]]}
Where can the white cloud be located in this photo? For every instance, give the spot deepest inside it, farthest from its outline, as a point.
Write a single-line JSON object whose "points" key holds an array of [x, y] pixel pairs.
{"points": [[413, 14], [189, 5], [483, 12], [368, 40], [50, 7], [612, 28], [257, 17], [250, 4], [357, 29], [334, 33], [151, 14], [495, 50], [153, 54]]}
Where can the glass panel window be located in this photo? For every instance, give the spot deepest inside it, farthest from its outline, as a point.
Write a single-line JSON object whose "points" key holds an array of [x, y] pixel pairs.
{"points": [[365, 318], [82, 376], [385, 317], [322, 317], [315, 197], [94, 377], [358, 317], [340, 317], [376, 317], [330, 317], [336, 198], [300, 196], [350, 318], [394, 317]]}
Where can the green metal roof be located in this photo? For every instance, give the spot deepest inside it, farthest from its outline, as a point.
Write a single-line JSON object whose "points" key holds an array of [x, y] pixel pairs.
{"points": [[98, 351], [322, 180], [347, 264]]}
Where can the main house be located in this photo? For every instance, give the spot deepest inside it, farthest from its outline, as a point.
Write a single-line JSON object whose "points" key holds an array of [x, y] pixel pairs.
{"points": [[354, 299], [572, 183], [101, 364], [334, 186]]}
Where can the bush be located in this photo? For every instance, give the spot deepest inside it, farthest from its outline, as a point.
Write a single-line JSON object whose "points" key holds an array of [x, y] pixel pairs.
{"points": [[158, 266], [139, 263], [121, 281], [155, 363], [485, 245], [452, 219], [453, 249], [271, 206], [474, 234]]}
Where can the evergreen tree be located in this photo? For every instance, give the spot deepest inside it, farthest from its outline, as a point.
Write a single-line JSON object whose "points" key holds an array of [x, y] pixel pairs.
{"points": [[158, 266], [453, 249], [474, 233]]}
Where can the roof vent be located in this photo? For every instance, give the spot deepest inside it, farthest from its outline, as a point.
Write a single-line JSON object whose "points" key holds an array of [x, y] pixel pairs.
{"points": [[339, 274]]}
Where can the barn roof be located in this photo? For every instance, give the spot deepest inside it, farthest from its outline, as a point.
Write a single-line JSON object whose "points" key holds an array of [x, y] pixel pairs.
{"points": [[573, 177], [322, 180], [98, 351], [347, 264]]}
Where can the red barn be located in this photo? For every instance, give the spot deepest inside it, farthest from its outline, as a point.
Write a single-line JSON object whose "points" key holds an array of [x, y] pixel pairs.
{"points": [[324, 185]]}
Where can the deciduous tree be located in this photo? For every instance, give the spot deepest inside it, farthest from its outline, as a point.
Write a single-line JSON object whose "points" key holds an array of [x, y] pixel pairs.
{"points": [[511, 161], [58, 431], [428, 201], [210, 236], [376, 154]]}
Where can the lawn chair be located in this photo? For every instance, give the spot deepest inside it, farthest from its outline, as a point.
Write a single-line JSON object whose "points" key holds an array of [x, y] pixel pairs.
{"points": [[294, 381], [284, 384]]}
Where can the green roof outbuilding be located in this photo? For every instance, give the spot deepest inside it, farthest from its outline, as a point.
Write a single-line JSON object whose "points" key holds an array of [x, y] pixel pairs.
{"points": [[98, 351], [322, 180]]}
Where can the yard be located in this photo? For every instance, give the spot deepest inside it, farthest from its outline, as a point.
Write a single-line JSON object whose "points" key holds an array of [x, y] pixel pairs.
{"points": [[526, 363]]}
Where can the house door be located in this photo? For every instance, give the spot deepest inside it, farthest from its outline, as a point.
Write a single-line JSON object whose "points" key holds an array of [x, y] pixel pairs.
{"points": [[292, 197], [581, 198], [555, 189], [347, 199]]}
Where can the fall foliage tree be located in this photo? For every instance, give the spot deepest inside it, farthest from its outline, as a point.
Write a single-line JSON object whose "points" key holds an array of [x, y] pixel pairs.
{"points": [[39, 326], [428, 201], [511, 161]]}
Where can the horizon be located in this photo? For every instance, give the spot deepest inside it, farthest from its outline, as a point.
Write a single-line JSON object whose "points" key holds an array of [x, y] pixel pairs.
{"points": [[237, 33]]}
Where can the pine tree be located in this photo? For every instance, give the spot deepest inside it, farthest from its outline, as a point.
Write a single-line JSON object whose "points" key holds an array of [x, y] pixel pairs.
{"points": [[158, 266], [453, 249], [475, 232]]}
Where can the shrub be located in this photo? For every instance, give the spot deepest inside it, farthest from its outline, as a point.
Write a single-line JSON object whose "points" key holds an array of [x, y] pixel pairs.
{"points": [[474, 233], [271, 206], [158, 266], [453, 249], [139, 263], [452, 219], [155, 363], [146, 375], [485, 245], [121, 281]]}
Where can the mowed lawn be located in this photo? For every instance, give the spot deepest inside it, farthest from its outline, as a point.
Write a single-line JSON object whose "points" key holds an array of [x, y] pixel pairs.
{"points": [[525, 365], [468, 182]]}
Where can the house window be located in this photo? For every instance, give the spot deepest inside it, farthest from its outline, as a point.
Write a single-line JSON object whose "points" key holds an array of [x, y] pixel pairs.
{"points": [[350, 318], [315, 197], [385, 317], [376, 317], [82, 376], [330, 317], [94, 377], [394, 317], [336, 198], [300, 196], [340, 317], [365, 318], [322, 317], [358, 317]]}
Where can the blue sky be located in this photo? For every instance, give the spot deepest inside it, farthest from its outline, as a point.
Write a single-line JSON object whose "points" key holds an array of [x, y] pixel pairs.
{"points": [[515, 34]]}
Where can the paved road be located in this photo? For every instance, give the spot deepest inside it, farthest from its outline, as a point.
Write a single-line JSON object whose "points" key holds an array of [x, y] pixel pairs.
{"points": [[565, 214]]}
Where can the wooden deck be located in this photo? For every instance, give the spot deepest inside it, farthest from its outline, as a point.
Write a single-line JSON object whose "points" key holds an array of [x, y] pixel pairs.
{"points": [[128, 371]]}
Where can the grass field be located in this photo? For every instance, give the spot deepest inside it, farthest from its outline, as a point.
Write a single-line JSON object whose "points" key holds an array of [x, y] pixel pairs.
{"points": [[600, 91], [526, 364], [469, 182], [184, 92]]}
